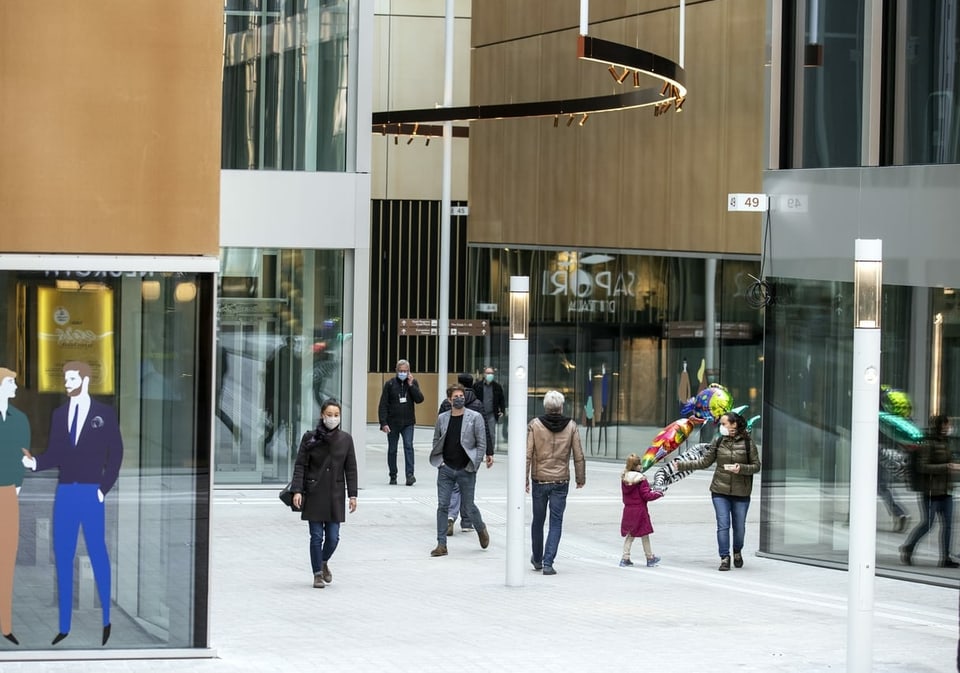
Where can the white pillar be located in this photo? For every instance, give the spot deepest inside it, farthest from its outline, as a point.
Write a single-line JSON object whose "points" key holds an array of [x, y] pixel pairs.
{"points": [[517, 445], [443, 315], [864, 428]]}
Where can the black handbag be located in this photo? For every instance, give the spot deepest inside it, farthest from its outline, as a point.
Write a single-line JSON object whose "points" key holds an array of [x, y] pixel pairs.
{"points": [[286, 496]]}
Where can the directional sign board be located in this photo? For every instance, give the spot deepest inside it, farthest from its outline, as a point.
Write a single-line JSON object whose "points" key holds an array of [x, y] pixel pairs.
{"points": [[418, 326], [469, 327]]}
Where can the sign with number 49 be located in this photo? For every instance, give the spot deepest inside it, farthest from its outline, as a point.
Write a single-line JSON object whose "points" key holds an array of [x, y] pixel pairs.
{"points": [[748, 202]]}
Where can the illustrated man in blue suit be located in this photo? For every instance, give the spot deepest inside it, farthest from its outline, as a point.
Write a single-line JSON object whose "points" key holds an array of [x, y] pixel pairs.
{"points": [[85, 444]]}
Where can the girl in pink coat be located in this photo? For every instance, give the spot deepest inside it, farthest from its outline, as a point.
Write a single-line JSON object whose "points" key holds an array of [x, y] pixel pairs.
{"points": [[635, 521]]}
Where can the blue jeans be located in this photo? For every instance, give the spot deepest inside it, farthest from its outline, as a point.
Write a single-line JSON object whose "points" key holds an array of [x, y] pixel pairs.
{"points": [[324, 538], [456, 509], [931, 506], [727, 508], [447, 477], [554, 496], [393, 438]]}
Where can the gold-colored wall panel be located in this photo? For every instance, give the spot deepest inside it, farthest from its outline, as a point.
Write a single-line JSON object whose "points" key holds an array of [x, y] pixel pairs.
{"points": [[426, 412], [624, 179], [110, 126]]}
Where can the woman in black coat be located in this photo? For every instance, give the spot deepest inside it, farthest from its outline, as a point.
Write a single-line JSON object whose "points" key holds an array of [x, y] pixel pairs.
{"points": [[326, 466]]}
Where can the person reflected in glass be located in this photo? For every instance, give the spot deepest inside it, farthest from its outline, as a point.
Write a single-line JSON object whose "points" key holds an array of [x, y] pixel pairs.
{"points": [[935, 475], [14, 441], [325, 470], [737, 460]]}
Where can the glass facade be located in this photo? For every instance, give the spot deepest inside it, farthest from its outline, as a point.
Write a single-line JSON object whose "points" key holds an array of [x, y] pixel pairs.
{"points": [[285, 75], [809, 350], [615, 332], [279, 356], [134, 348], [929, 119]]}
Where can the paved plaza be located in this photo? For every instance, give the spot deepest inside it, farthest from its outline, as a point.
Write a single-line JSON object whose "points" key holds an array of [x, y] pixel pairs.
{"points": [[393, 608]]}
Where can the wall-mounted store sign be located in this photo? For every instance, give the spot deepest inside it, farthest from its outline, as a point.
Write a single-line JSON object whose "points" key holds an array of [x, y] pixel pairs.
{"points": [[589, 292]]}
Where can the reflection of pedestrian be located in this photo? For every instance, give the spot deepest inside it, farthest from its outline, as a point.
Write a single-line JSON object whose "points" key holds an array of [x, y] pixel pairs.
{"points": [[894, 508], [234, 428], [14, 439], [85, 444], [935, 471], [326, 466], [551, 441]]}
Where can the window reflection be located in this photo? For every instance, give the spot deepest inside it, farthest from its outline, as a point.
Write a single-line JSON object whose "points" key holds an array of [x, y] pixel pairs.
{"points": [[284, 84], [279, 356]]}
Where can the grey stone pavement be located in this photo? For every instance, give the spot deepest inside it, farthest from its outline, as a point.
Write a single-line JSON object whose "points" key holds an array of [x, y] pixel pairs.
{"points": [[393, 608]]}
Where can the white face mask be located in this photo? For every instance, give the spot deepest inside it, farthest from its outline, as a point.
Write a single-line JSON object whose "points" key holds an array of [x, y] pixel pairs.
{"points": [[331, 421], [725, 431]]}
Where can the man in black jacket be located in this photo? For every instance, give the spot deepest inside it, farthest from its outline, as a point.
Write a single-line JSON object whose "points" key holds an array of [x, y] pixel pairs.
{"points": [[398, 419], [490, 394]]}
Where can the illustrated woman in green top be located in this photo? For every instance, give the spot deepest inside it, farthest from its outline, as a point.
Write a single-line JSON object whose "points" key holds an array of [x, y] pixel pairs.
{"points": [[14, 438]]}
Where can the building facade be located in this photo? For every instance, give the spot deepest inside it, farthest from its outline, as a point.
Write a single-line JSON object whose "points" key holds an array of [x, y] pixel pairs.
{"points": [[883, 167]]}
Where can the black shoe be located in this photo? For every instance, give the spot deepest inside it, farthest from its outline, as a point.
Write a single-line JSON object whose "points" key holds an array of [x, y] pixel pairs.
{"points": [[60, 636], [548, 570], [411, 480], [724, 563], [906, 554], [393, 481], [12, 638], [536, 564], [484, 538], [106, 634], [949, 563], [737, 560], [449, 527]]}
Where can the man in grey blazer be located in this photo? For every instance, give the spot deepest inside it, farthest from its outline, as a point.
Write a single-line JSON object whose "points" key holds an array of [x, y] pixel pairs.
{"points": [[459, 445]]}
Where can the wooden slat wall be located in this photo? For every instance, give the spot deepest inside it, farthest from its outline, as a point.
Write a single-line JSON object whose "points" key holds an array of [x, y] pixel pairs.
{"points": [[405, 282], [623, 180], [110, 126]]}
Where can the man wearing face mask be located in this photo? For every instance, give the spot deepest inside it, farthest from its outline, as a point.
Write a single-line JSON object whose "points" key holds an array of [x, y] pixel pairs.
{"points": [[490, 393], [398, 419], [459, 445]]}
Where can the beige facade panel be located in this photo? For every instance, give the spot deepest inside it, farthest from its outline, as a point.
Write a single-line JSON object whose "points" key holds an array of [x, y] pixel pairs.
{"points": [[110, 126], [624, 180], [408, 74]]}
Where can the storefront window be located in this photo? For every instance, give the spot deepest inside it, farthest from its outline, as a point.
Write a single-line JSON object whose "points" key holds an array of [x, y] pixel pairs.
{"points": [[105, 371], [613, 333], [807, 408], [279, 356], [285, 79]]}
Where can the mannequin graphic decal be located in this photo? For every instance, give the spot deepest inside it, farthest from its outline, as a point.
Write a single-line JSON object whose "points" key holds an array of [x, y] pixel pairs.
{"points": [[85, 444]]}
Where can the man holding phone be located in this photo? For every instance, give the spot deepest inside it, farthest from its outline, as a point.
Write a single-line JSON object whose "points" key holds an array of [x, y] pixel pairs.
{"points": [[398, 419]]}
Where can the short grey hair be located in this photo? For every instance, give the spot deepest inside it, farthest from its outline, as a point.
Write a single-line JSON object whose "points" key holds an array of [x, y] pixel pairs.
{"points": [[401, 363], [553, 402]]}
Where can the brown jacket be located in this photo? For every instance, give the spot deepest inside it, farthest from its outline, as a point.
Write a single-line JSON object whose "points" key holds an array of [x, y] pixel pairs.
{"points": [[549, 445]]}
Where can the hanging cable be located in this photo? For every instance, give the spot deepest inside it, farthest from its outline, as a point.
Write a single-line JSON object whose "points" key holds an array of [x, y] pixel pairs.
{"points": [[760, 294]]}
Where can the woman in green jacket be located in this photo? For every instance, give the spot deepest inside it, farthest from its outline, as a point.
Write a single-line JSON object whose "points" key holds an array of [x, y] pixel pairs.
{"points": [[737, 461]]}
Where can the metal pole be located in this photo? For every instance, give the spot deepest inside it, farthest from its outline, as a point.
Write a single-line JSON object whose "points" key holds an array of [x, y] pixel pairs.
{"points": [[584, 16], [864, 426], [443, 314], [517, 449]]}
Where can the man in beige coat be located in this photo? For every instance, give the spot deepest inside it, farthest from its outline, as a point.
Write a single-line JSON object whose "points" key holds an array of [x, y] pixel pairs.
{"points": [[551, 440]]}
